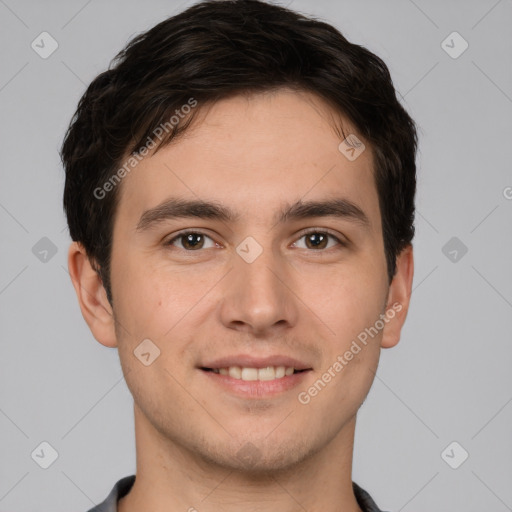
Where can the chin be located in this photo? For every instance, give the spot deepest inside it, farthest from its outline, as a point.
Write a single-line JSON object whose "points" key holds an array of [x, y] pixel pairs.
{"points": [[258, 458]]}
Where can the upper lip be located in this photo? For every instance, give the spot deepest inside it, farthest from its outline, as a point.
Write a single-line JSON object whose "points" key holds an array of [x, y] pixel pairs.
{"points": [[248, 361]]}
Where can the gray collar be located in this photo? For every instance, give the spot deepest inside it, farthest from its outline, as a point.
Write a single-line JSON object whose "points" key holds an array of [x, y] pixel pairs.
{"points": [[123, 486]]}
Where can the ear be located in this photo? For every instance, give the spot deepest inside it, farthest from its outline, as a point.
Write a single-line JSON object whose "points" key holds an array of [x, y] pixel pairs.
{"points": [[399, 296], [91, 295]]}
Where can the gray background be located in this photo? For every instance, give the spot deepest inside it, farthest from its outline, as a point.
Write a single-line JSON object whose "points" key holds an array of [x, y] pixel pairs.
{"points": [[449, 378]]}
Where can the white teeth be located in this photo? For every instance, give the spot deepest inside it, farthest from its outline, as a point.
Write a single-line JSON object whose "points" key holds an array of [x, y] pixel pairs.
{"points": [[250, 374], [268, 373], [235, 372], [281, 371]]}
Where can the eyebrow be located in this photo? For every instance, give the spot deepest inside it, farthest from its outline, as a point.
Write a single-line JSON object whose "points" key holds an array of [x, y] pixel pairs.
{"points": [[175, 208]]}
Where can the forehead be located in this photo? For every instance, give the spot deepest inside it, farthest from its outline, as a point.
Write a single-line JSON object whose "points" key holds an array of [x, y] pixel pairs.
{"points": [[254, 152]]}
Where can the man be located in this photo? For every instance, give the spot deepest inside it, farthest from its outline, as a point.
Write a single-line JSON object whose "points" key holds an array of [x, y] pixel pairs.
{"points": [[240, 194]]}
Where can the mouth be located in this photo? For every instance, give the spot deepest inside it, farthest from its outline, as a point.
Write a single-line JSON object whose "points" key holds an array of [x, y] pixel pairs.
{"points": [[255, 382], [267, 373]]}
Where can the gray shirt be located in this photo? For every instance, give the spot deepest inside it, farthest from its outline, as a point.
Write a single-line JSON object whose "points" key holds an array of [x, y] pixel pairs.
{"points": [[123, 486]]}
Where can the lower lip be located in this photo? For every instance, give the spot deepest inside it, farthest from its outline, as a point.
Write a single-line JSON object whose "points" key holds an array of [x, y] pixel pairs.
{"points": [[257, 388]]}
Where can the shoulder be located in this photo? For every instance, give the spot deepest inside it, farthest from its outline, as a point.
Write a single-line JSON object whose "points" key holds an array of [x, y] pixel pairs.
{"points": [[120, 489], [364, 499]]}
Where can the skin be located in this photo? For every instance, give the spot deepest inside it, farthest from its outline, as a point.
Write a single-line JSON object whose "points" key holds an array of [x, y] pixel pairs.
{"points": [[253, 154]]}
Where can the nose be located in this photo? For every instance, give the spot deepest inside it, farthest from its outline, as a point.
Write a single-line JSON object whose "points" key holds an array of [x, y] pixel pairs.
{"points": [[258, 296]]}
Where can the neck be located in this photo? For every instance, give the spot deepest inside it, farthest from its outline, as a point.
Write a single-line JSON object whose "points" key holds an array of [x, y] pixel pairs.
{"points": [[171, 478]]}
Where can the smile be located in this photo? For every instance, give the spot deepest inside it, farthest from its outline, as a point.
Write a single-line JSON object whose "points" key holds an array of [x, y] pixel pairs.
{"points": [[255, 383], [251, 374]]}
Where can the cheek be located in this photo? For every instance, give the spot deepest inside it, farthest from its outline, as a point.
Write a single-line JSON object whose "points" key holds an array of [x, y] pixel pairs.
{"points": [[143, 296], [350, 309], [350, 302], [158, 302]]}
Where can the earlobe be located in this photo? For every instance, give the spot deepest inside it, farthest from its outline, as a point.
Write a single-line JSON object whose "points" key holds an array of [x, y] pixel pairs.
{"points": [[398, 298], [92, 298]]}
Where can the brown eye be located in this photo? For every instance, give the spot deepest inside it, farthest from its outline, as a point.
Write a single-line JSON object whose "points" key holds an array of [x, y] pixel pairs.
{"points": [[190, 241], [318, 240]]}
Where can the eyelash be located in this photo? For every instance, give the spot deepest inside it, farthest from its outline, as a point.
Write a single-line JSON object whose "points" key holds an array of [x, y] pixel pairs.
{"points": [[311, 231]]}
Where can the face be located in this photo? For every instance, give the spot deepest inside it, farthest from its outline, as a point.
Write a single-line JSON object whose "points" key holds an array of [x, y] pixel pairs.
{"points": [[252, 281]]}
